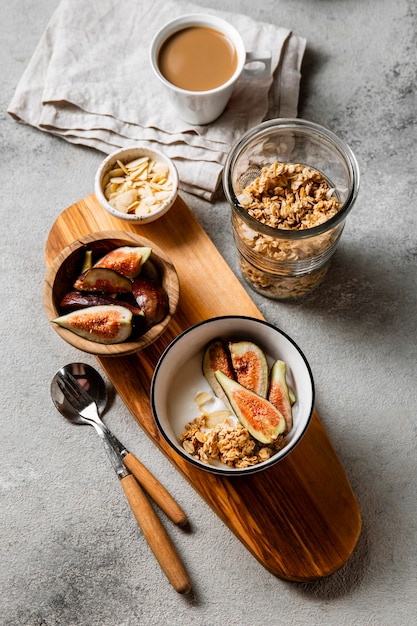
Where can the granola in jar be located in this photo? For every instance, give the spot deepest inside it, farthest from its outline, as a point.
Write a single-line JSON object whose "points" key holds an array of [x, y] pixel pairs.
{"points": [[290, 184], [290, 196], [286, 197]]}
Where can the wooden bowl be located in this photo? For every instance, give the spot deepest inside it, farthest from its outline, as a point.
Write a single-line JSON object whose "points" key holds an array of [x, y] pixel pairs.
{"points": [[67, 266]]}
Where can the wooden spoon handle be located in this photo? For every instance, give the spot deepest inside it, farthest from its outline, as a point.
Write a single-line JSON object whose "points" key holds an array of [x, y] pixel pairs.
{"points": [[156, 535], [155, 489]]}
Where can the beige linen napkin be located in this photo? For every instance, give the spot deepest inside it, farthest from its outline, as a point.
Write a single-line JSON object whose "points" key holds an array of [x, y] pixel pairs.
{"points": [[89, 81]]}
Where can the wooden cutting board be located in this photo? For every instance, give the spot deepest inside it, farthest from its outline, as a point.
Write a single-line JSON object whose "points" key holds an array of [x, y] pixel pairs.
{"points": [[299, 518]]}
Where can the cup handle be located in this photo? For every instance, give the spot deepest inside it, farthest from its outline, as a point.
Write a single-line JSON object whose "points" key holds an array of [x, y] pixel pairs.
{"points": [[262, 68]]}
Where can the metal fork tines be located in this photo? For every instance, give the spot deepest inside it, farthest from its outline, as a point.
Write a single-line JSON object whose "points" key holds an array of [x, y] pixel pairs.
{"points": [[85, 405], [74, 391]]}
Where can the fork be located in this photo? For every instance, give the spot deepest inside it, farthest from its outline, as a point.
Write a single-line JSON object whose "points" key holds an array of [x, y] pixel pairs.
{"points": [[150, 524], [85, 406]]}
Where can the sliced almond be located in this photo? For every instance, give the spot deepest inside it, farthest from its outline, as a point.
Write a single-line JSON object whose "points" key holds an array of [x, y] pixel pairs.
{"points": [[140, 186]]}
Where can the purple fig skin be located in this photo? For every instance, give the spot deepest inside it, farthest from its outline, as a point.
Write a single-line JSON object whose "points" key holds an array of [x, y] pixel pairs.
{"points": [[216, 357], [74, 300], [149, 270], [103, 280], [151, 298]]}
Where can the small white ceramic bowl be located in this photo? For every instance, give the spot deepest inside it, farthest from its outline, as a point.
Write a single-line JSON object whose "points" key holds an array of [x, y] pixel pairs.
{"points": [[178, 378], [126, 155]]}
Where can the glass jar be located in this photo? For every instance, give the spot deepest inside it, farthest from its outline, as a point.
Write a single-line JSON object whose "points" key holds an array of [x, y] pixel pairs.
{"points": [[285, 263]]}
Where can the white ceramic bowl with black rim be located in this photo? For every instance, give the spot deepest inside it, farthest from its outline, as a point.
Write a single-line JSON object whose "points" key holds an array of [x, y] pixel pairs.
{"points": [[178, 378]]}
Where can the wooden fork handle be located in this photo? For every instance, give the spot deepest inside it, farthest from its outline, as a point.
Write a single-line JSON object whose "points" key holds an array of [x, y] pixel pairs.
{"points": [[155, 489], [156, 535]]}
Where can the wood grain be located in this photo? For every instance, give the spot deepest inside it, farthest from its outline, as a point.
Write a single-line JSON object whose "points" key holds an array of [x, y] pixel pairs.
{"points": [[156, 535], [299, 518]]}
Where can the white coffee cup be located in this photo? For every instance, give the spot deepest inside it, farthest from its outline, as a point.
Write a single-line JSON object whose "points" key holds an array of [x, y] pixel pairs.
{"points": [[203, 107]]}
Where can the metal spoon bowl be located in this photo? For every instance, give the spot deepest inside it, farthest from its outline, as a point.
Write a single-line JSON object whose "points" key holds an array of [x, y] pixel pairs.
{"points": [[90, 380]]}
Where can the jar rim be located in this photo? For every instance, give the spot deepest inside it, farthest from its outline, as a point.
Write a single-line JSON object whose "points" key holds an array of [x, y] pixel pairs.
{"points": [[288, 124]]}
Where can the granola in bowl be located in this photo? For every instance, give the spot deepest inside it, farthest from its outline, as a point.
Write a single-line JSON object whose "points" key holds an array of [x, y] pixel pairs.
{"points": [[219, 436]]}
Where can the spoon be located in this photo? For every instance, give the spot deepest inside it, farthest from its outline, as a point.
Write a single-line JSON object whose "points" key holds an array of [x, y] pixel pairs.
{"points": [[69, 394], [95, 390]]}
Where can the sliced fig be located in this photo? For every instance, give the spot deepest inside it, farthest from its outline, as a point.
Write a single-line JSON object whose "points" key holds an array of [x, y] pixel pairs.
{"points": [[126, 260], [250, 366], [216, 357], [151, 271], [103, 280], [74, 300], [261, 418], [88, 261], [152, 298], [278, 392], [103, 324], [139, 326]]}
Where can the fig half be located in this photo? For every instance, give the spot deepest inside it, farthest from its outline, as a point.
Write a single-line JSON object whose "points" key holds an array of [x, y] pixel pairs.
{"points": [[126, 260], [216, 357], [103, 324], [104, 280], [151, 298], [250, 366], [278, 392], [74, 300], [88, 261], [261, 418]]}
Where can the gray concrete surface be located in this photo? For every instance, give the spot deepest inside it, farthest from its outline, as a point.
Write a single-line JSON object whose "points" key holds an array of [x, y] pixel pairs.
{"points": [[70, 552]]}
